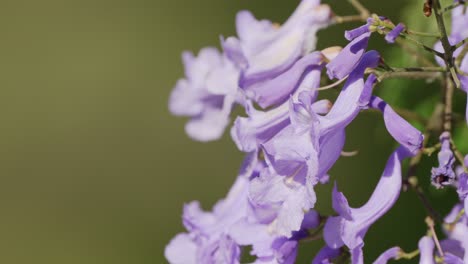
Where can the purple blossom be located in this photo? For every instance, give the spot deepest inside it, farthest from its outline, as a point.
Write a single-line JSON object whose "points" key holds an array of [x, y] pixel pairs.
{"points": [[426, 250], [264, 50], [402, 131], [394, 33], [452, 259], [391, 253], [347, 60], [444, 174], [460, 233], [452, 247], [303, 151], [463, 190], [326, 255], [276, 90], [260, 126], [206, 94], [269, 247], [457, 242], [357, 32], [283, 202], [350, 227], [208, 239]]}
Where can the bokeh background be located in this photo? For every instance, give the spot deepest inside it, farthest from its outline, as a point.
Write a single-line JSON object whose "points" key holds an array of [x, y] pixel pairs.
{"points": [[93, 167]]}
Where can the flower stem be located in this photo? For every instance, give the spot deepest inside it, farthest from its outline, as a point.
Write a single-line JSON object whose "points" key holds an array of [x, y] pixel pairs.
{"points": [[346, 19], [404, 255], [430, 224]]}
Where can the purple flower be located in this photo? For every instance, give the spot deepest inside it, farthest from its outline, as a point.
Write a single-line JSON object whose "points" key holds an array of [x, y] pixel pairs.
{"points": [[282, 200], [347, 60], [206, 94], [311, 139], [452, 259], [326, 255], [391, 253], [453, 247], [459, 22], [444, 174], [260, 126], [350, 227], [276, 90], [264, 50], [426, 250], [460, 233], [463, 190], [302, 152], [269, 247], [208, 240], [357, 32], [402, 131], [394, 33]]}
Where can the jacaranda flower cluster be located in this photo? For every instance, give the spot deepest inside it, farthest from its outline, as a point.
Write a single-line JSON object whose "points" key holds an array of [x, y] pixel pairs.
{"points": [[291, 138]]}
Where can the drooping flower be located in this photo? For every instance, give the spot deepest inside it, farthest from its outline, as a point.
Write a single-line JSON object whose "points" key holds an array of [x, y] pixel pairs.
{"points": [[302, 152], [347, 60], [460, 233], [274, 91], [264, 50], [402, 131], [283, 200], [444, 174], [452, 259], [206, 94], [463, 189], [260, 126], [350, 227], [208, 240], [456, 228], [326, 255], [269, 247], [426, 250], [394, 33], [391, 253]]}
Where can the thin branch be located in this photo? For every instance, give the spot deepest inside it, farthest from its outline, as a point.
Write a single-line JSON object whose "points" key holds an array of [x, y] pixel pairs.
{"points": [[454, 5], [346, 19], [448, 105], [418, 43], [414, 53], [448, 55], [419, 69], [459, 44], [460, 56], [360, 8], [333, 85], [410, 75], [423, 34]]}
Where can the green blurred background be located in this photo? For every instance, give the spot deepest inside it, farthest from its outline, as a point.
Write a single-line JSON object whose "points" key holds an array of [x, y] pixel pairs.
{"points": [[93, 167]]}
